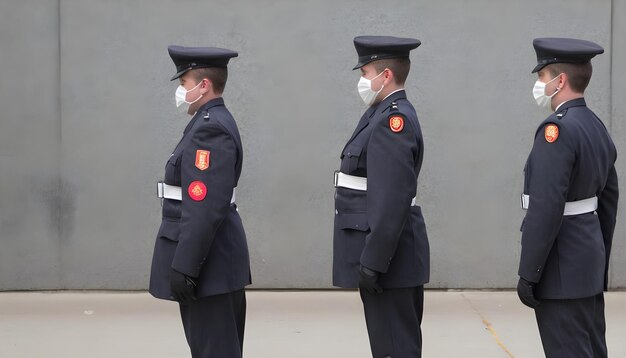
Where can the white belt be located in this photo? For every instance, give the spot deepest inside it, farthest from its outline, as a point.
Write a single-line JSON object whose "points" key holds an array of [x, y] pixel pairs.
{"points": [[350, 181], [571, 208], [167, 191], [356, 183]]}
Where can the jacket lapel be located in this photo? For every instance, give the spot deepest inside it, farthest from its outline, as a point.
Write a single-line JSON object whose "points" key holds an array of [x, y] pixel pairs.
{"points": [[363, 122]]}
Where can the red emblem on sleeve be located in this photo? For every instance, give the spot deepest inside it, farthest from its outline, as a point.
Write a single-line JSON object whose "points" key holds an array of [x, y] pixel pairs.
{"points": [[551, 133], [197, 190], [396, 124], [202, 159]]}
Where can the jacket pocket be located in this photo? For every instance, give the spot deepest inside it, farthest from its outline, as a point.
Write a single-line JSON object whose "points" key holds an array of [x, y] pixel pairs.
{"points": [[169, 229], [352, 221], [173, 160], [172, 171], [351, 156]]}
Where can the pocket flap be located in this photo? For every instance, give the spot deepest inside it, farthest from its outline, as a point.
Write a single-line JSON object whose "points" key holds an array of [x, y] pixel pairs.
{"points": [[169, 230], [173, 159], [352, 151], [353, 221]]}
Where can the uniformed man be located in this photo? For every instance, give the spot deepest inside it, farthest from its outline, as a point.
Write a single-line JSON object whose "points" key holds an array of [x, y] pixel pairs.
{"points": [[201, 255], [380, 242], [570, 193]]}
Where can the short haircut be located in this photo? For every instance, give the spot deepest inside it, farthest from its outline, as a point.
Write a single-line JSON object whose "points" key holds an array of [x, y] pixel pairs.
{"points": [[217, 76], [399, 66], [579, 74]]}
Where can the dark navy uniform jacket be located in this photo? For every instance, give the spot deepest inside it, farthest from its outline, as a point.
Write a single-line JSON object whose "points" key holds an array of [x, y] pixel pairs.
{"points": [[568, 256], [379, 228], [204, 238]]}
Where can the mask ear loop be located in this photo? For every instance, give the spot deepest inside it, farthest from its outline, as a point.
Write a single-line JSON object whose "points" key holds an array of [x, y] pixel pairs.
{"points": [[558, 89], [378, 75], [197, 99], [383, 86]]}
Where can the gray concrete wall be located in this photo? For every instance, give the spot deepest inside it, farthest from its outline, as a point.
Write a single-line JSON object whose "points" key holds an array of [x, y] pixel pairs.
{"points": [[31, 201], [87, 121]]}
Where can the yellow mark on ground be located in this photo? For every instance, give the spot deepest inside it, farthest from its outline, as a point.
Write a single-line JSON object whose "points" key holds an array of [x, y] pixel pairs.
{"points": [[490, 328]]}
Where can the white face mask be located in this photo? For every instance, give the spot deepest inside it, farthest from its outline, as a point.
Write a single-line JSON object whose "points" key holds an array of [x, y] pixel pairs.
{"points": [[539, 92], [365, 90], [181, 96]]}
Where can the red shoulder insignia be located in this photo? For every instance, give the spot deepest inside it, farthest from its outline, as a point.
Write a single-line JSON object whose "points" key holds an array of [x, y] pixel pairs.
{"points": [[551, 133], [202, 159], [396, 123]]}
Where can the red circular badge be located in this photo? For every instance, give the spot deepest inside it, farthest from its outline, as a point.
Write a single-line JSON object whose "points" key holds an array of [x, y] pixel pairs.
{"points": [[551, 133], [396, 124], [197, 190]]}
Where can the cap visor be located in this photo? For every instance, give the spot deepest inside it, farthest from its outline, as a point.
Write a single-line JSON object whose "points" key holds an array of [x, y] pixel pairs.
{"points": [[539, 67], [360, 64], [179, 73]]}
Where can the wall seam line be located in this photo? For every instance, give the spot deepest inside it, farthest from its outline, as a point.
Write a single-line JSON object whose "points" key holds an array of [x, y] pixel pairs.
{"points": [[59, 183]]}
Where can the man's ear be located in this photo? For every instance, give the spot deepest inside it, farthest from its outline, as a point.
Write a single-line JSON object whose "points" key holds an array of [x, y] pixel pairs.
{"points": [[206, 85], [389, 76], [563, 80]]}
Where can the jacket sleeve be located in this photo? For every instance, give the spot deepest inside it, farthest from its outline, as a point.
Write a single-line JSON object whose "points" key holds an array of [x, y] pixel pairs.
{"points": [[607, 211], [548, 174], [206, 194], [391, 185]]}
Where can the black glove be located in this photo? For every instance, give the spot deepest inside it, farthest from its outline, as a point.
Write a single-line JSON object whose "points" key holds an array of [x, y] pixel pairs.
{"points": [[183, 288], [367, 281], [526, 293]]}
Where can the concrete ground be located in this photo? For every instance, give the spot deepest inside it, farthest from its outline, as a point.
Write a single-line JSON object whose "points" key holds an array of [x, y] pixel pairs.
{"points": [[280, 324]]}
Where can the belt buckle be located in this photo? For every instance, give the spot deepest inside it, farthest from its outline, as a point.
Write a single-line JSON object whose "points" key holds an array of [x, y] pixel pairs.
{"points": [[524, 201], [336, 177], [160, 190]]}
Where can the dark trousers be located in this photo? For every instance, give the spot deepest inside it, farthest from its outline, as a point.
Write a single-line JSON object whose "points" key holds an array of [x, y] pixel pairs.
{"points": [[214, 325], [572, 328], [393, 322]]}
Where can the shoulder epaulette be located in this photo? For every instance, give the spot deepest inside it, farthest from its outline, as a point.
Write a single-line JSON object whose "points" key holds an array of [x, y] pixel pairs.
{"points": [[393, 107], [561, 114]]}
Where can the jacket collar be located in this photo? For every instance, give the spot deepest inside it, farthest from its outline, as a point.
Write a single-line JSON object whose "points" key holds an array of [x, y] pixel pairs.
{"points": [[219, 101], [572, 103], [386, 103], [379, 108]]}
